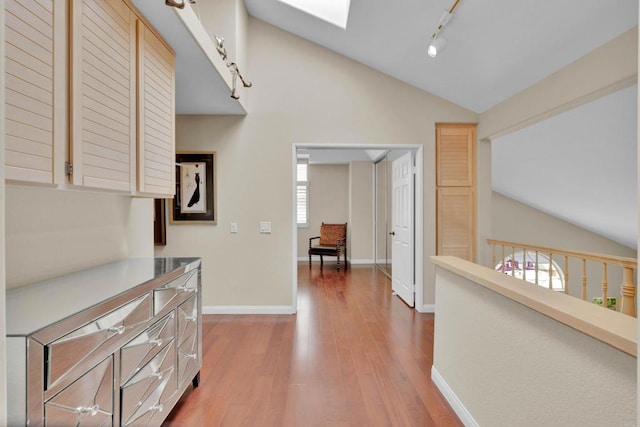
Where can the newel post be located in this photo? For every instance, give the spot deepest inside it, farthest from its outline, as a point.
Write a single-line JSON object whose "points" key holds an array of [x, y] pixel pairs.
{"points": [[628, 292]]}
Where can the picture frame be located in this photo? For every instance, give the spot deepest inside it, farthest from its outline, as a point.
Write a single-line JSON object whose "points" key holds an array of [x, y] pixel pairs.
{"points": [[195, 198]]}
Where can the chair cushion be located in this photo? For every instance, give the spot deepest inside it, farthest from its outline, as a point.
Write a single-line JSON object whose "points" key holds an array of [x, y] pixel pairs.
{"points": [[330, 233]]}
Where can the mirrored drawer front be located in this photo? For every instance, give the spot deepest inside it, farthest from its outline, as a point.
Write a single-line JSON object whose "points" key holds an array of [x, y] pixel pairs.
{"points": [[187, 337], [64, 354], [175, 290], [136, 353], [87, 401], [146, 393]]}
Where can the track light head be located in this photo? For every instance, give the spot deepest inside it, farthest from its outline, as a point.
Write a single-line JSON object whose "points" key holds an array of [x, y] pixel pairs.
{"points": [[175, 3], [436, 46]]}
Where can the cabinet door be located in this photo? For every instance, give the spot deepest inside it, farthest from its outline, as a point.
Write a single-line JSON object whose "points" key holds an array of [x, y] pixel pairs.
{"points": [[30, 110], [156, 114], [455, 155], [103, 94], [455, 220]]}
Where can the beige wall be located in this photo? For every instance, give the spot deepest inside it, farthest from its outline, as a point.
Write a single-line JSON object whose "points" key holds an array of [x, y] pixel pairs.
{"points": [[510, 365], [606, 69], [518, 222], [51, 232], [328, 202], [302, 94], [360, 247]]}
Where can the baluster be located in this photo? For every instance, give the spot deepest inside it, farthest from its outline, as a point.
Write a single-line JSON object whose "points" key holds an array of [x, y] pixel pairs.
{"points": [[493, 256], [502, 268], [550, 270], [628, 292], [536, 267], [605, 285], [513, 261], [524, 264], [566, 275], [584, 279]]}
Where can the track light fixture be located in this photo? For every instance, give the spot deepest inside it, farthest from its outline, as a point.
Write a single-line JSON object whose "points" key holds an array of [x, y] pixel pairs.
{"points": [[437, 41], [175, 3]]}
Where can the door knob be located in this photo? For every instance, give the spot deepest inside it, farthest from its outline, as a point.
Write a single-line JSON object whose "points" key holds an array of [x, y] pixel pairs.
{"points": [[393, 233]]}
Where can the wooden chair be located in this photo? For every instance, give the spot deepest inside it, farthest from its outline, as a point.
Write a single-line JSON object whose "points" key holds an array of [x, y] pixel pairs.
{"points": [[333, 242]]}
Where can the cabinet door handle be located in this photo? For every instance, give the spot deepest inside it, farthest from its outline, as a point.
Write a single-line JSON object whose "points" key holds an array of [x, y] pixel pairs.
{"points": [[117, 329], [93, 410], [157, 341]]}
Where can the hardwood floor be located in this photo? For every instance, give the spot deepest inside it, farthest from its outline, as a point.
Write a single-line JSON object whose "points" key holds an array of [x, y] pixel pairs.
{"points": [[353, 355]]}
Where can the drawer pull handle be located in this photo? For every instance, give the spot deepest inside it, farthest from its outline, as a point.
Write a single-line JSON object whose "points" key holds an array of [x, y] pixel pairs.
{"points": [[93, 410], [157, 407], [117, 329], [157, 341], [190, 318], [193, 356], [157, 375], [185, 288]]}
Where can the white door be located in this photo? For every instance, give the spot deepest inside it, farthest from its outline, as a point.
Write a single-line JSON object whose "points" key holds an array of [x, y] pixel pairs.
{"points": [[402, 271]]}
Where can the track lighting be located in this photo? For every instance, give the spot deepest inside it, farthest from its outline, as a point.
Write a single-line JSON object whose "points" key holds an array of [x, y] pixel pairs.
{"points": [[437, 42], [175, 3], [436, 46]]}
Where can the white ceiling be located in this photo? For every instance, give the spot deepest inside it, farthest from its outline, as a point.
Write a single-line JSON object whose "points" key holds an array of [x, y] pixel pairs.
{"points": [[495, 49], [579, 166]]}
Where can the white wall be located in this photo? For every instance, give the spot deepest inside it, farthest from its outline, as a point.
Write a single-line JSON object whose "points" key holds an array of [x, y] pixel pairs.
{"points": [[328, 202], [509, 365], [302, 94], [50, 232], [520, 223], [360, 228]]}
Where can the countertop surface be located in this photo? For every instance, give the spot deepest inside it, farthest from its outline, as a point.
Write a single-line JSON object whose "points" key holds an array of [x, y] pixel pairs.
{"points": [[32, 307]]}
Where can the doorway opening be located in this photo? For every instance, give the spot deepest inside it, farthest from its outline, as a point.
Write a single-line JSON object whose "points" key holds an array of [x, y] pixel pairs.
{"points": [[372, 248]]}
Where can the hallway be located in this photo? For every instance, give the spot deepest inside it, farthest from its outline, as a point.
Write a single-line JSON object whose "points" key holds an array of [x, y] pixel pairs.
{"points": [[353, 355]]}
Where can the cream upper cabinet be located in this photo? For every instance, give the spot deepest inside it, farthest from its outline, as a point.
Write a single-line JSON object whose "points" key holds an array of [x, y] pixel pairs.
{"points": [[32, 113], [156, 114], [103, 100]]}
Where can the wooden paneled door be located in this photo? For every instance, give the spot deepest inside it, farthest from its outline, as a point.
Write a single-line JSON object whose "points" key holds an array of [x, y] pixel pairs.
{"points": [[103, 103], [455, 190], [33, 69]]}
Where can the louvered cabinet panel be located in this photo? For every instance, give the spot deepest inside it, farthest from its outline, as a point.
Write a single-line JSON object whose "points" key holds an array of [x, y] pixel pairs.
{"points": [[455, 155], [455, 220], [30, 111], [103, 94], [156, 114]]}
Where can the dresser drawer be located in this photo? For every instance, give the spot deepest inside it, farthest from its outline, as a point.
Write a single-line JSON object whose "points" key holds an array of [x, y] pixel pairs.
{"points": [[187, 340], [174, 291], [65, 353], [146, 393], [137, 352], [88, 401]]}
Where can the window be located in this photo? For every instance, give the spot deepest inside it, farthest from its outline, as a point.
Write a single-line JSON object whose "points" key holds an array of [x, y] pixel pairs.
{"points": [[335, 12], [534, 269], [302, 194]]}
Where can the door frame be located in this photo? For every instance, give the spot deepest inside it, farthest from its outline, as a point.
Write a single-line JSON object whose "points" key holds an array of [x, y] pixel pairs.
{"points": [[418, 260]]}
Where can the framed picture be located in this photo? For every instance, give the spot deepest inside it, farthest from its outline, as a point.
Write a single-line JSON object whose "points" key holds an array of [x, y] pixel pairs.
{"points": [[195, 199]]}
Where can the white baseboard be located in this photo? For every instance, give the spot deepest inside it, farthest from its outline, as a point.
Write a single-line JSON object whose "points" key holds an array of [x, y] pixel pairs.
{"points": [[248, 309], [351, 261], [426, 308], [361, 261], [455, 403]]}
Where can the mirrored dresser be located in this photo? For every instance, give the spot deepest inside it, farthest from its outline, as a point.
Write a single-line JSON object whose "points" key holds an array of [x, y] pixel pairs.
{"points": [[113, 345]]}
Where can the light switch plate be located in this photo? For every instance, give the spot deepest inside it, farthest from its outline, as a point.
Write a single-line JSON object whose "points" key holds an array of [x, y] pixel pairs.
{"points": [[265, 227], [234, 227]]}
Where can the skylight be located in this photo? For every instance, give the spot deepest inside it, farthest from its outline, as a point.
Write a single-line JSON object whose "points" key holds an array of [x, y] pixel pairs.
{"points": [[335, 12]]}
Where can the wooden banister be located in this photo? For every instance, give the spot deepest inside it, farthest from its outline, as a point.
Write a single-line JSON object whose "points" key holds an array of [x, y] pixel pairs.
{"points": [[628, 265]]}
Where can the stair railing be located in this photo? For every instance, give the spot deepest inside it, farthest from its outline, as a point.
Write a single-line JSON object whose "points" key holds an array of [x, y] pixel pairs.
{"points": [[629, 266]]}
